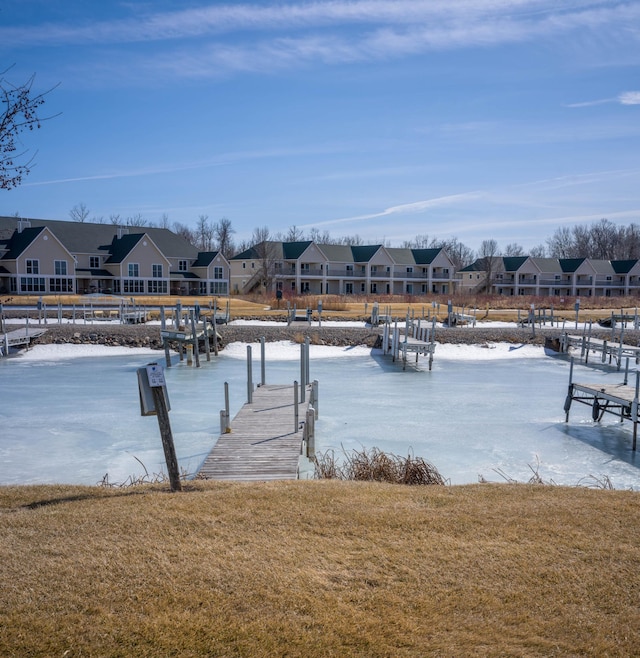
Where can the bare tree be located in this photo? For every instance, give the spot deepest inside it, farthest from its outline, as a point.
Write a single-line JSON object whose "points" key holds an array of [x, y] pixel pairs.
{"points": [[204, 233], [114, 219], [421, 241], [163, 222], [184, 232], [222, 231], [460, 254], [513, 249], [19, 113], [79, 213], [489, 253], [265, 249], [136, 220], [294, 234], [539, 251]]}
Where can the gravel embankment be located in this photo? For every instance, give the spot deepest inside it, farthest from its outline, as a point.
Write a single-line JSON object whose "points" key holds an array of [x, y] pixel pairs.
{"points": [[149, 335]]}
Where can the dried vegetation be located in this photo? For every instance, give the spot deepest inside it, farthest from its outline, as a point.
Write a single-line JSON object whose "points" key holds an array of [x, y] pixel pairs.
{"points": [[373, 465]]}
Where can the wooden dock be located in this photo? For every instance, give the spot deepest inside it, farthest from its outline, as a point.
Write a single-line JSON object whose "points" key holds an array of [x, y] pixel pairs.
{"points": [[418, 339], [619, 399], [18, 338], [610, 351], [266, 438]]}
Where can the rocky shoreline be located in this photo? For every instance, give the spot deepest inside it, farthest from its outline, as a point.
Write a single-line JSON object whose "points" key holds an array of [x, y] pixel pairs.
{"points": [[149, 335]]}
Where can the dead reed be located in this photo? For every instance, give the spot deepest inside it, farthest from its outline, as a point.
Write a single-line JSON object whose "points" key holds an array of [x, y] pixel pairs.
{"points": [[374, 465]]}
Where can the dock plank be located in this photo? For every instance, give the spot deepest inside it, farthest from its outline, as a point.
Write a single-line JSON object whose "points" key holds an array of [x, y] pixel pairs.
{"points": [[263, 443]]}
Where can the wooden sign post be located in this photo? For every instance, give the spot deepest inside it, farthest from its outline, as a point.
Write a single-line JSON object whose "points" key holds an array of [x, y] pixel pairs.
{"points": [[155, 402]]}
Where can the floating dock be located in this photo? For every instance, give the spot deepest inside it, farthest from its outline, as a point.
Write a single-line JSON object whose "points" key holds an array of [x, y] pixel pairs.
{"points": [[620, 400], [267, 437]]}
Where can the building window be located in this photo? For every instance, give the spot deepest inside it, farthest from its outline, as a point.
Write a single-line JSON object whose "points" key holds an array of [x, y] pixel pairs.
{"points": [[218, 273], [409, 270], [32, 284], [348, 288], [409, 288], [60, 267], [219, 288], [156, 271], [374, 287], [157, 287], [182, 266], [94, 262], [60, 285], [133, 286], [134, 270], [202, 287], [33, 266]]}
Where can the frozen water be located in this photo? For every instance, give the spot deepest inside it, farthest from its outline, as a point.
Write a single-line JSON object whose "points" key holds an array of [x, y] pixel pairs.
{"points": [[71, 414]]}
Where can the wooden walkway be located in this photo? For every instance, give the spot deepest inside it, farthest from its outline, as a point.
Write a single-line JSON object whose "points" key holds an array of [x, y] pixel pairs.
{"points": [[265, 442], [18, 337]]}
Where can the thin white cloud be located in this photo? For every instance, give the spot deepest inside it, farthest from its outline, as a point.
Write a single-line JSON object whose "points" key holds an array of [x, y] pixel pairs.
{"points": [[630, 98], [625, 98], [402, 209], [337, 31]]}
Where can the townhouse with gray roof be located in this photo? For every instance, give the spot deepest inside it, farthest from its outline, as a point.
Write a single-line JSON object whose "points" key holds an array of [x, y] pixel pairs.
{"points": [[49, 257], [547, 277], [330, 269]]}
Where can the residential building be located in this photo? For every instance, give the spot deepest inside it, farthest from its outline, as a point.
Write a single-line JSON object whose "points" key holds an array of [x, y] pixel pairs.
{"points": [[546, 277], [308, 267], [49, 257]]}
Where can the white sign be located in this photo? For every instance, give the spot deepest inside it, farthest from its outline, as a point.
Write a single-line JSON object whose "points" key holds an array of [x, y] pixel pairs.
{"points": [[156, 375]]}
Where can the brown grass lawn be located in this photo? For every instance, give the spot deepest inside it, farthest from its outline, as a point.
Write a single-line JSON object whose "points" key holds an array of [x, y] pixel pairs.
{"points": [[319, 568], [358, 307]]}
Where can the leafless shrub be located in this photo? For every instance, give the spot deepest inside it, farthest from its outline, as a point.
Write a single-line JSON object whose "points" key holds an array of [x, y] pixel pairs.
{"points": [[136, 480], [376, 466]]}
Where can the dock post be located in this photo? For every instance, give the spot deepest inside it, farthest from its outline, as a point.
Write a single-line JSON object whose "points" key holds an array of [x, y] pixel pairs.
{"points": [[634, 411], [307, 378], [626, 371], [314, 396], [303, 372], [196, 349], [310, 431], [263, 376], [569, 398], [225, 426], [295, 407], [249, 376], [205, 334]]}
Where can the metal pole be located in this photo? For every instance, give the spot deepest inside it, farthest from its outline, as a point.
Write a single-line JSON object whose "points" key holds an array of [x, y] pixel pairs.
{"points": [[263, 377], [303, 371], [249, 376], [295, 407]]}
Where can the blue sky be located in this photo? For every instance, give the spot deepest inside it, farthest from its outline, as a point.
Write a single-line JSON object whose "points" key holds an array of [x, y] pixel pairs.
{"points": [[479, 119]]}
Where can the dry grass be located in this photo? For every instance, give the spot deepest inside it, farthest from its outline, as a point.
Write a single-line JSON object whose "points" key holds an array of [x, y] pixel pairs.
{"points": [[374, 465], [319, 568], [488, 307]]}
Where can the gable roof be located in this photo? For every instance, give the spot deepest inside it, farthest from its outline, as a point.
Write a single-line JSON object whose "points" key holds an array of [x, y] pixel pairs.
{"points": [[364, 253], [91, 238], [205, 258], [19, 241], [570, 264], [623, 266], [122, 247], [513, 263]]}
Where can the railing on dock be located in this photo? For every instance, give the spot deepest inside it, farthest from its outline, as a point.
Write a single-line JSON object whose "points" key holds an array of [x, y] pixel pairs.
{"points": [[418, 339], [272, 430]]}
